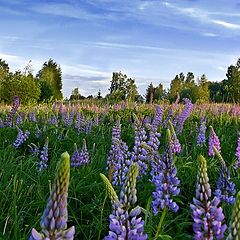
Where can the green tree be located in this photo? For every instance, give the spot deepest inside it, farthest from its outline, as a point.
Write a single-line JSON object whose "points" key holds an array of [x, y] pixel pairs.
{"points": [[176, 87], [4, 69], [203, 89], [51, 73], [46, 90], [24, 86], [122, 88], [233, 83], [149, 93], [76, 95]]}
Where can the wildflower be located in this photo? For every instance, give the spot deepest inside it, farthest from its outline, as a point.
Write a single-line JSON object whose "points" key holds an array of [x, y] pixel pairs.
{"points": [[165, 180], [32, 117], [44, 156], [225, 188], [234, 230], [16, 104], [201, 139], [213, 142], [54, 219], [176, 146], [237, 154], [21, 137], [84, 155], [125, 223], [207, 216], [19, 119], [75, 158], [184, 114], [139, 153]]}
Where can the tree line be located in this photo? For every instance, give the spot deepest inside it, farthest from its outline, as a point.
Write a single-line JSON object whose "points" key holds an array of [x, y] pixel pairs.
{"points": [[47, 85]]}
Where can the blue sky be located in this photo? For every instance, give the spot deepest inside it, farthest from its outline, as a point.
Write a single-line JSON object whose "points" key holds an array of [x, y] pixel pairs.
{"points": [[149, 40]]}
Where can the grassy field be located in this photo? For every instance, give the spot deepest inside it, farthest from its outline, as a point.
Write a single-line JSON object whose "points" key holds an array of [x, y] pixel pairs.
{"points": [[24, 190]]}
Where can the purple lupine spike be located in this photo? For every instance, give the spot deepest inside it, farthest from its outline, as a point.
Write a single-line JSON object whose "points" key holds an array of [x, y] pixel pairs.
{"points": [[165, 180], [125, 225], [55, 216], [116, 130], [184, 115], [158, 117], [237, 154], [176, 146], [21, 137], [84, 155], [53, 120], [1, 123], [234, 229], [19, 119], [80, 123], [139, 154], [225, 188], [9, 119], [44, 156], [88, 127], [32, 117], [207, 216], [34, 149], [168, 118], [213, 142], [119, 162], [201, 139], [96, 120], [75, 158]]}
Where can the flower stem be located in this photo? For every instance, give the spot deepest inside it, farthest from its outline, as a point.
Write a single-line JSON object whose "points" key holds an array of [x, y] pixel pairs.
{"points": [[160, 223]]}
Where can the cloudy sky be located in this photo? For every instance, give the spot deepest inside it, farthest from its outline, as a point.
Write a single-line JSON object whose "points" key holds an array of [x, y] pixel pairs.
{"points": [[149, 40]]}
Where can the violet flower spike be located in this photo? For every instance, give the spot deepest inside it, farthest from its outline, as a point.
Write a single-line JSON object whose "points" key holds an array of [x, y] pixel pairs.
{"points": [[237, 154], [225, 188], [234, 229], [44, 156], [165, 179], [201, 139], [208, 217], [55, 216], [21, 137], [213, 142]]}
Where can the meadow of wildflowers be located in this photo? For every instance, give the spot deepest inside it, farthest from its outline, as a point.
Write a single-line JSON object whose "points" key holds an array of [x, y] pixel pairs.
{"points": [[123, 171]]}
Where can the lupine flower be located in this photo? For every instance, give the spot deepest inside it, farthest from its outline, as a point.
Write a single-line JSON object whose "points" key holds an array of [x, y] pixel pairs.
{"points": [[176, 146], [237, 154], [234, 229], [88, 127], [21, 137], [158, 117], [75, 158], [168, 118], [213, 142], [165, 180], [54, 219], [96, 120], [84, 155], [19, 119], [184, 114], [32, 117], [1, 123], [139, 154], [53, 120], [225, 188], [125, 224], [80, 122], [201, 139], [207, 216], [44, 156], [34, 149], [60, 108], [16, 104]]}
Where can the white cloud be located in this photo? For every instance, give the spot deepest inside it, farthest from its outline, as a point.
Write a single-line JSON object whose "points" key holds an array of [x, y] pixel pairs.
{"points": [[226, 24]]}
